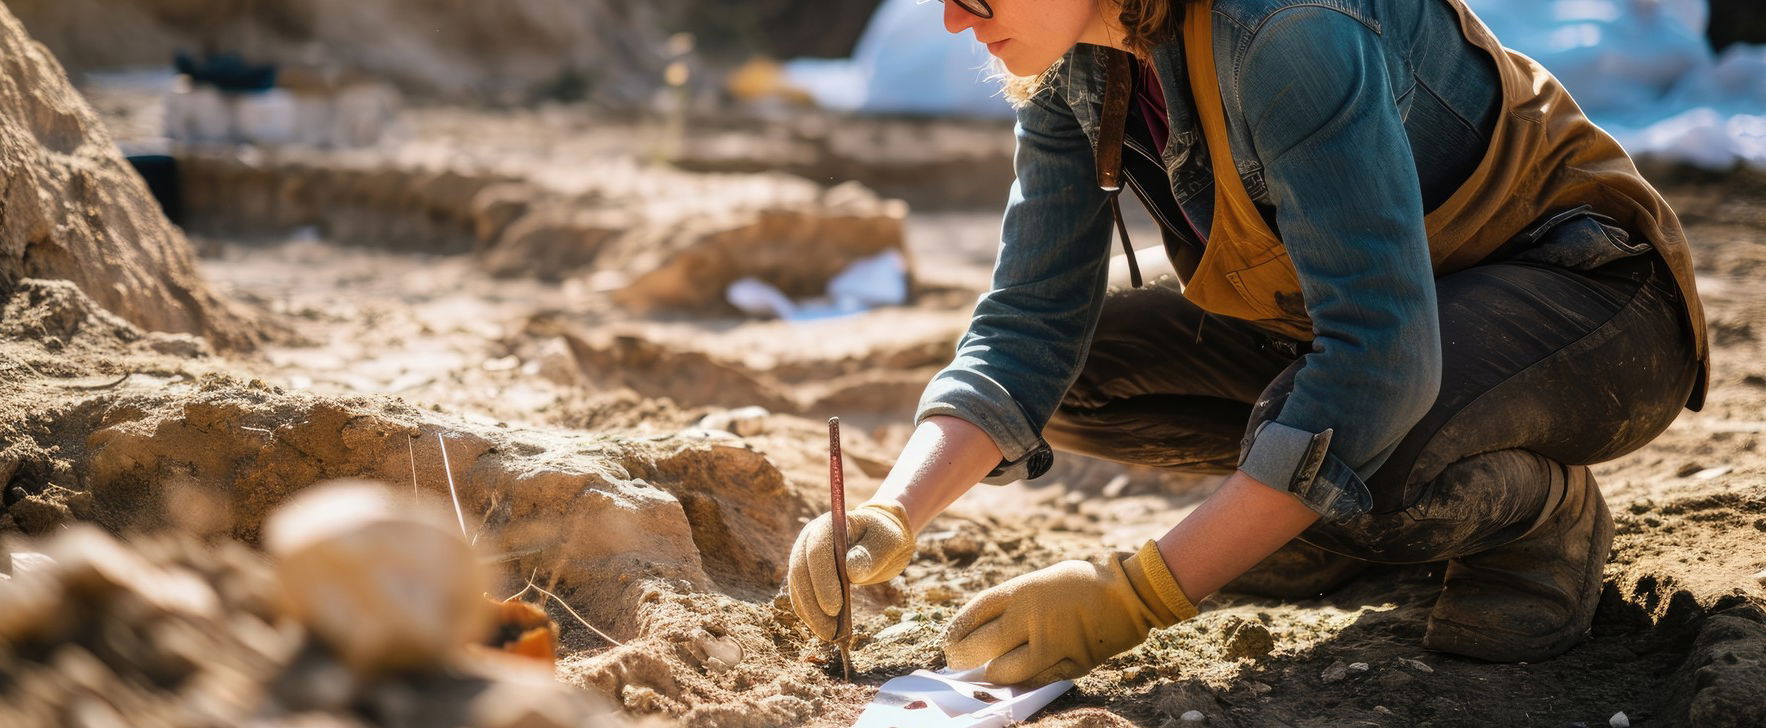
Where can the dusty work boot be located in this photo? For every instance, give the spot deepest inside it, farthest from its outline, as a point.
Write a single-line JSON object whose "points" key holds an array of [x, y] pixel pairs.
{"points": [[1532, 598], [1298, 570]]}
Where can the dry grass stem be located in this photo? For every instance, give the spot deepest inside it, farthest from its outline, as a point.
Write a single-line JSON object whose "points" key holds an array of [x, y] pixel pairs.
{"points": [[452, 493], [579, 618], [411, 451], [524, 590]]}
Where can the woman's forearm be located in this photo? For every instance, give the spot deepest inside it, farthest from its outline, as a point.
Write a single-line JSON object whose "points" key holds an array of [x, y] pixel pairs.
{"points": [[1236, 527], [944, 458], [1230, 532]]}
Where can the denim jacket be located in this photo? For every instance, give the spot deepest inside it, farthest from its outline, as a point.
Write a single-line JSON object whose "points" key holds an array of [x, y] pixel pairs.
{"points": [[1349, 119]]}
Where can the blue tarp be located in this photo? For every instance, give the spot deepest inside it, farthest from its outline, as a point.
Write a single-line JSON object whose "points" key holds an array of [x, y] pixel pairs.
{"points": [[1640, 68]]}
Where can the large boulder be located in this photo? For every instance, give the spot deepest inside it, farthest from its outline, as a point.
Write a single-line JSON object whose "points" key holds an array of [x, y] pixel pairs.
{"points": [[72, 208]]}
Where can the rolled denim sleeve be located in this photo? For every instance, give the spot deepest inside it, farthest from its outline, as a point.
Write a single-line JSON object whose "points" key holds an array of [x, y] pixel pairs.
{"points": [[1029, 334], [1313, 88]]}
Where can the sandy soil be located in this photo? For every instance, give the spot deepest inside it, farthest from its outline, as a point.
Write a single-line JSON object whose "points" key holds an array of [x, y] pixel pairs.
{"points": [[1691, 506], [390, 342]]}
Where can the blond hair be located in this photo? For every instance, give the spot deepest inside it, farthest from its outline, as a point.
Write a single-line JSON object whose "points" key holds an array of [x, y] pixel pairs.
{"points": [[1144, 23]]}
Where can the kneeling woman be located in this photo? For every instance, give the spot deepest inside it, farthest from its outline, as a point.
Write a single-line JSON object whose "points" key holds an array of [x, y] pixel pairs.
{"points": [[1412, 294]]}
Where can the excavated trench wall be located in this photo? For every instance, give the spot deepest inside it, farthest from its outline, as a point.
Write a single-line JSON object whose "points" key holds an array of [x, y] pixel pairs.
{"points": [[597, 514], [657, 238]]}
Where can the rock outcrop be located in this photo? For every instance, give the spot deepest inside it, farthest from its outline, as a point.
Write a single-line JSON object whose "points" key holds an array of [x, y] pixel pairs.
{"points": [[72, 208]]}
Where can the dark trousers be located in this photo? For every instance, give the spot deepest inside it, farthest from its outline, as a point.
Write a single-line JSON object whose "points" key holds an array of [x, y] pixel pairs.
{"points": [[1542, 367]]}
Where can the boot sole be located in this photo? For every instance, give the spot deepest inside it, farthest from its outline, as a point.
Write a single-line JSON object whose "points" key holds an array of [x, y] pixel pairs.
{"points": [[1444, 635]]}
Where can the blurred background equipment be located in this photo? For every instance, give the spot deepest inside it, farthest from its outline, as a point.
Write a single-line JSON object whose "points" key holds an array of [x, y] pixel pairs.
{"points": [[906, 63], [505, 53]]}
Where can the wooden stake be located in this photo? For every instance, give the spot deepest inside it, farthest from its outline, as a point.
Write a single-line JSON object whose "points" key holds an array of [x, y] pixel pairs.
{"points": [[837, 498]]}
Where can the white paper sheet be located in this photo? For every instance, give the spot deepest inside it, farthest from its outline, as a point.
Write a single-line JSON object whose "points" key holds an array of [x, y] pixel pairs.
{"points": [[947, 699]]}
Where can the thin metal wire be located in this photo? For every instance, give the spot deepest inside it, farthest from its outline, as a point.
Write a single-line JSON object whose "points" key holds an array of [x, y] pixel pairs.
{"points": [[579, 618]]}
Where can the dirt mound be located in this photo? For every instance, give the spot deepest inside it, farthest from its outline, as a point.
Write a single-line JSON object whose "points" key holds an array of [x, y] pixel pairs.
{"points": [[653, 237], [933, 164], [75, 210], [52, 329], [174, 629], [358, 198], [814, 369], [672, 544], [706, 512], [1720, 684], [166, 632], [108, 453]]}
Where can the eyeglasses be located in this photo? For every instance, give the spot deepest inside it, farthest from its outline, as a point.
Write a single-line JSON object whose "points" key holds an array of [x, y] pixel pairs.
{"points": [[978, 8]]}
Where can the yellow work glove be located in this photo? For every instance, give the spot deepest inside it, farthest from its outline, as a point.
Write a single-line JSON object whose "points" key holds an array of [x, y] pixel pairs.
{"points": [[1060, 622], [879, 545]]}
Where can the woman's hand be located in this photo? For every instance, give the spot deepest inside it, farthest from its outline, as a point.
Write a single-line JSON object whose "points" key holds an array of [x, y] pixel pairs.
{"points": [[879, 546], [1060, 622], [1064, 620], [945, 457]]}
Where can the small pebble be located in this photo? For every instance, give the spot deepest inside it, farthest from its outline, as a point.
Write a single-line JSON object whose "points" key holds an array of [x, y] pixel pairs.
{"points": [[1117, 486], [1761, 577], [961, 547], [1417, 665], [1357, 667], [1337, 671], [941, 594], [1192, 716], [1709, 473], [1619, 720], [1247, 640], [899, 629], [1383, 710]]}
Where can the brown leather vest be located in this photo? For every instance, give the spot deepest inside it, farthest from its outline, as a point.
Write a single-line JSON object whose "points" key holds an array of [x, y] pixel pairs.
{"points": [[1544, 156]]}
